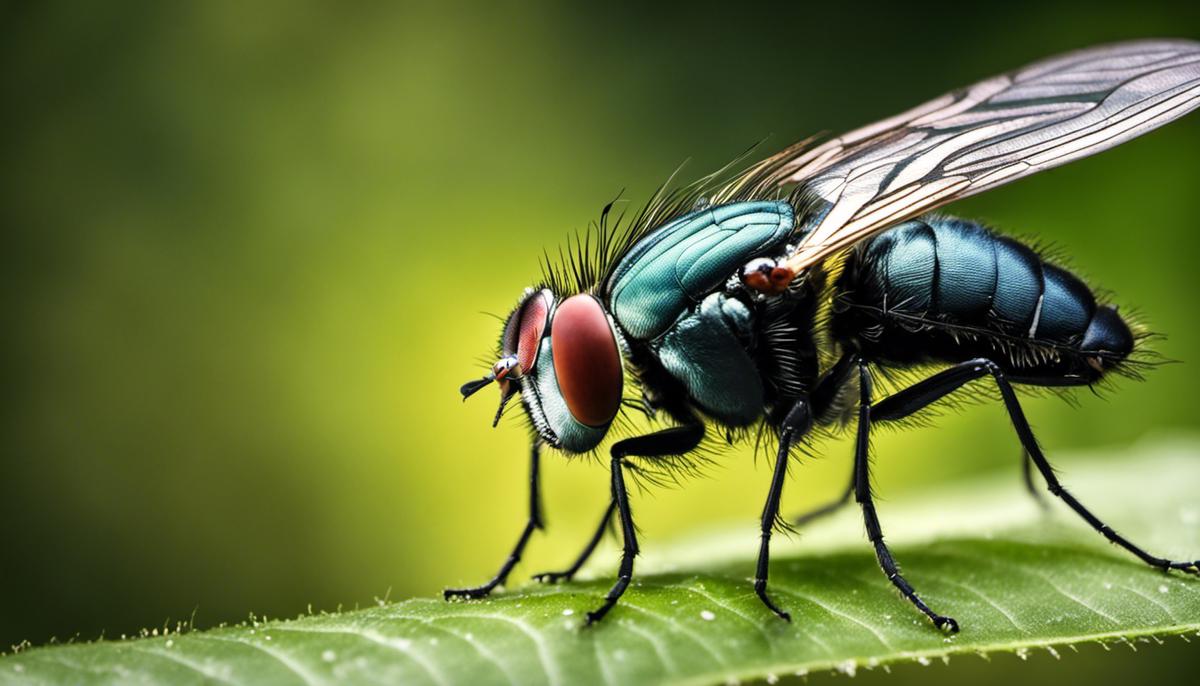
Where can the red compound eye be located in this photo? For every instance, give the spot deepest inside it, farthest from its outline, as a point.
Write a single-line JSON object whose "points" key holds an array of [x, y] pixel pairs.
{"points": [[529, 330], [586, 360]]}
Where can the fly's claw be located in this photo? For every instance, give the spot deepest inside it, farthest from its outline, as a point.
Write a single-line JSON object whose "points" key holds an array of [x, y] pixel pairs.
{"points": [[765, 275], [552, 577], [946, 624], [1187, 567], [471, 593]]}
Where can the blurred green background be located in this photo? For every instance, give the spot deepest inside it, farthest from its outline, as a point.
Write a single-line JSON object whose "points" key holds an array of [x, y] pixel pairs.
{"points": [[248, 245]]}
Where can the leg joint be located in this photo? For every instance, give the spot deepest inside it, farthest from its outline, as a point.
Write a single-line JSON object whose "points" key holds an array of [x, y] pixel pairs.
{"points": [[987, 365]]}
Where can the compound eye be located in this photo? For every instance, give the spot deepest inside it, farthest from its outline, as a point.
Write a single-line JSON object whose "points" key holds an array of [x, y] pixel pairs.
{"points": [[586, 360], [534, 315], [523, 333]]}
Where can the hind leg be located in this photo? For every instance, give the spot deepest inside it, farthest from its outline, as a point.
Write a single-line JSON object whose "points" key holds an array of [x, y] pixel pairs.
{"points": [[930, 390]]}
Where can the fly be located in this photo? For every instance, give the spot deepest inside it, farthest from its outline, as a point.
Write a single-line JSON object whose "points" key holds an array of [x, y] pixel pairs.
{"points": [[771, 299]]}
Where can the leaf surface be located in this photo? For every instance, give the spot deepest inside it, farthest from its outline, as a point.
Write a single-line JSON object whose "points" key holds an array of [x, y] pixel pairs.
{"points": [[1014, 577]]}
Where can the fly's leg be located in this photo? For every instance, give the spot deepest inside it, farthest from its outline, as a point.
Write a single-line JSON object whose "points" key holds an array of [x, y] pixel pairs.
{"points": [[930, 390], [674, 441], [570, 572], [828, 508], [534, 522], [824, 395], [862, 493], [1027, 474], [795, 425]]}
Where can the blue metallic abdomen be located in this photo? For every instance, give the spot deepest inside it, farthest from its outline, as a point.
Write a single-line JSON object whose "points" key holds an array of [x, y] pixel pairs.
{"points": [[945, 289]]}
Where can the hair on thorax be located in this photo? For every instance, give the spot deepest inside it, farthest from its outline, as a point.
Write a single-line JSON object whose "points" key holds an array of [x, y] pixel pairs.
{"points": [[589, 256]]}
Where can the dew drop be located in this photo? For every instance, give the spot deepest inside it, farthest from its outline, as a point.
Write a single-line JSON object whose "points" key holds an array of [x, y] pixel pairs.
{"points": [[1163, 588], [568, 612], [329, 656], [170, 642], [707, 616]]}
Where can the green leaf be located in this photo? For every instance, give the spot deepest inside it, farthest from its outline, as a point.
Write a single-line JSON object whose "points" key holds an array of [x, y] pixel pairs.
{"points": [[1013, 576]]}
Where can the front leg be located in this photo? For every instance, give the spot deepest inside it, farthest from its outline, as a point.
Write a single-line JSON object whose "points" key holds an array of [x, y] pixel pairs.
{"points": [[534, 522], [674, 441]]}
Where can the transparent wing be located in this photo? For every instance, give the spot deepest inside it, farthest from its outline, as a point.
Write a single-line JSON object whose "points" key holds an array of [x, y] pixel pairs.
{"points": [[998, 130]]}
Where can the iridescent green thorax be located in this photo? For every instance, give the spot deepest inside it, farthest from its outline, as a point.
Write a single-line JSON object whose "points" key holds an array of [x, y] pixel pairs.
{"points": [[684, 261]]}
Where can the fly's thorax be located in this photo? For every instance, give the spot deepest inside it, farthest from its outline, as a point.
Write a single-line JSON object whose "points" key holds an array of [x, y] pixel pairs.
{"points": [[707, 351]]}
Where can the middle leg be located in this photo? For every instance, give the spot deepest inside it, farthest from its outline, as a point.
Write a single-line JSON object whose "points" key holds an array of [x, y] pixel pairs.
{"points": [[797, 422], [862, 493]]}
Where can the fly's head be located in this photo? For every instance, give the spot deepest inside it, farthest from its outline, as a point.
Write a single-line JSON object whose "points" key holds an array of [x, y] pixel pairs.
{"points": [[564, 358]]}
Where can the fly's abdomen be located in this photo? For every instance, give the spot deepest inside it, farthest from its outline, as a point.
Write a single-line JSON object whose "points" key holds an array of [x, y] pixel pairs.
{"points": [[945, 289]]}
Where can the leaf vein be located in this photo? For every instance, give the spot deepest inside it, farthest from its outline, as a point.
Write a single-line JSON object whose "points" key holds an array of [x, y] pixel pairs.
{"points": [[834, 611], [547, 661], [180, 660], [296, 668]]}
